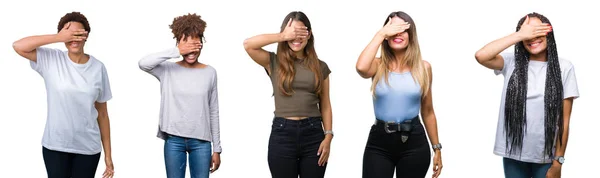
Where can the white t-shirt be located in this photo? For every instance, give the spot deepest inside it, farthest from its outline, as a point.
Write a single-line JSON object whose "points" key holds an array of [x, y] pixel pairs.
{"points": [[72, 89], [534, 139]]}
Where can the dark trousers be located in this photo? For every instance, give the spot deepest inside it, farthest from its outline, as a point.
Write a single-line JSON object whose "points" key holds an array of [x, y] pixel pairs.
{"points": [[385, 152], [293, 147], [69, 165]]}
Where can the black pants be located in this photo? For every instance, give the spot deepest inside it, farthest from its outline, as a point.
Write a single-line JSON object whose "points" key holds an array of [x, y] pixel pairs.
{"points": [[293, 147], [70, 165], [385, 153]]}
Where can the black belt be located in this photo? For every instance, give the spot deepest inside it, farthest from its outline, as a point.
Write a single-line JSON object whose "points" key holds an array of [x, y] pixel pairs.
{"points": [[405, 127]]}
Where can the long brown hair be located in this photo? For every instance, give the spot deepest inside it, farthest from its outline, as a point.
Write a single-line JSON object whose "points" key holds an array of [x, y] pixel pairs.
{"points": [[286, 57], [412, 57]]}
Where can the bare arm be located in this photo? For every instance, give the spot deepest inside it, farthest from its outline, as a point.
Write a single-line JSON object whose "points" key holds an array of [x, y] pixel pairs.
{"points": [[489, 56], [367, 63], [427, 111], [104, 124], [325, 106], [567, 107], [255, 44], [27, 46], [326, 115]]}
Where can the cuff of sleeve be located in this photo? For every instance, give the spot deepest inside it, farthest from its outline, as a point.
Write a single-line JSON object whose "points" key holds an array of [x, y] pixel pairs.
{"points": [[173, 52], [217, 149]]}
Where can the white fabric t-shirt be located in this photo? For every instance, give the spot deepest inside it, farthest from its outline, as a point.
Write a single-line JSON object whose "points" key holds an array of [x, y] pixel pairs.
{"points": [[534, 139], [72, 89]]}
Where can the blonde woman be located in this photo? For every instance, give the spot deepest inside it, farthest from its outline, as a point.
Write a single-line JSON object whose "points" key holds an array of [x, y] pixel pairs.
{"points": [[401, 89]]}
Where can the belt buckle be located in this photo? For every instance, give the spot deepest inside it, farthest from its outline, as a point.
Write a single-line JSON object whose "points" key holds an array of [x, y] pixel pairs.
{"points": [[387, 127]]}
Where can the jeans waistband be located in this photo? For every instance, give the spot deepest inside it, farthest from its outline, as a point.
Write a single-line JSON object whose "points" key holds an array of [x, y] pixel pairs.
{"points": [[307, 120]]}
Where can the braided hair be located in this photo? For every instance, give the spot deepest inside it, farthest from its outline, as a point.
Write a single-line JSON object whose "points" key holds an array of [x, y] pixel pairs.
{"points": [[515, 122]]}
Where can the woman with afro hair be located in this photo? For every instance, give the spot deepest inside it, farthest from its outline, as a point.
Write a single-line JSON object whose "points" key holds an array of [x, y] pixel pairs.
{"points": [[77, 86], [189, 115], [537, 97]]}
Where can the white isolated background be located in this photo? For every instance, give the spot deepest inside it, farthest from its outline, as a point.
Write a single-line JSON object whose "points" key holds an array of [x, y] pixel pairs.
{"points": [[466, 95]]}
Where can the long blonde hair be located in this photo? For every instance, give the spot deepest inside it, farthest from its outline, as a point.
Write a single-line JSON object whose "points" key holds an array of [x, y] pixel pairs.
{"points": [[412, 58]]}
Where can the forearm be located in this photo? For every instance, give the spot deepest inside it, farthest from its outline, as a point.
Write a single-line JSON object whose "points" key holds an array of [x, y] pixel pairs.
{"points": [[430, 122], [327, 117], [561, 145], [29, 44], [150, 61], [365, 60], [259, 41], [492, 49], [104, 124]]}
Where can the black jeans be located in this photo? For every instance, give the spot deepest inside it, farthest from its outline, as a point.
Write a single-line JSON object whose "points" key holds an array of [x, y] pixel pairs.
{"points": [[69, 165], [293, 147], [385, 152]]}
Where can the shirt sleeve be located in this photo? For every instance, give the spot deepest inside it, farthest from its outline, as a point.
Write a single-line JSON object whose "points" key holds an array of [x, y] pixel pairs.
{"points": [[325, 70], [214, 116], [570, 88], [154, 63], [45, 56], [105, 91], [509, 59]]}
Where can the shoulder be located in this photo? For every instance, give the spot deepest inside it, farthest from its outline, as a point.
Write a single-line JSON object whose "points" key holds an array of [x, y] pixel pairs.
{"points": [[211, 69], [96, 62], [565, 64], [427, 65]]}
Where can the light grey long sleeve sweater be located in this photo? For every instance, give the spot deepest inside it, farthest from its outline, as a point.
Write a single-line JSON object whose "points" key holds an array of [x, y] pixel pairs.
{"points": [[189, 99]]}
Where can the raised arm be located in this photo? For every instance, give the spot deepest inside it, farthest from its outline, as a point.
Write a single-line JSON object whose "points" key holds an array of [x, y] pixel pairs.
{"points": [[26, 47], [489, 56], [367, 63], [255, 44], [151, 61]]}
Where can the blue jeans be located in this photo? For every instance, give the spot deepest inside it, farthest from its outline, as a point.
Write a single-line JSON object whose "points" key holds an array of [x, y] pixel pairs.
{"points": [[176, 153], [519, 169]]}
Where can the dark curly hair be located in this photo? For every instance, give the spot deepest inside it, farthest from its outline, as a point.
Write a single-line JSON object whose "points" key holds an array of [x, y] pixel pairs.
{"points": [[74, 17], [188, 25]]}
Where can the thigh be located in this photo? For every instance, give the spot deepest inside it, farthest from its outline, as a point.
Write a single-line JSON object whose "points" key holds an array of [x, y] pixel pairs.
{"points": [[414, 158], [282, 154], [377, 160], [540, 170], [85, 166], [200, 158], [516, 169], [175, 157], [309, 160], [58, 164]]}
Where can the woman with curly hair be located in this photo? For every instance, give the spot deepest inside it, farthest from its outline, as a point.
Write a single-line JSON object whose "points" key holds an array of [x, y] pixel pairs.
{"points": [[77, 86], [539, 89], [301, 131], [189, 115]]}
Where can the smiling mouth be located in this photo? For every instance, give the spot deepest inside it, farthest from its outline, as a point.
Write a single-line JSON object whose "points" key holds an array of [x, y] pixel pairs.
{"points": [[534, 44], [398, 40]]}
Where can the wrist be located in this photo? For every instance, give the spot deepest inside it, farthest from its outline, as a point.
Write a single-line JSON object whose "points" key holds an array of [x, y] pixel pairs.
{"points": [[281, 37], [380, 35], [518, 36]]}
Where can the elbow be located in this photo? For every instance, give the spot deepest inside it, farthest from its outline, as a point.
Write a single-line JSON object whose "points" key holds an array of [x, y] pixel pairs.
{"points": [[362, 71], [480, 56], [246, 45]]}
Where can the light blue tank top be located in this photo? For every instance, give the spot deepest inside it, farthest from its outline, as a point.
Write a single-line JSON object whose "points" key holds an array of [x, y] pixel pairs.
{"points": [[398, 101]]}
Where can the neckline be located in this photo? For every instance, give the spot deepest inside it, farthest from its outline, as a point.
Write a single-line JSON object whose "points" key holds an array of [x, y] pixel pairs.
{"points": [[88, 62]]}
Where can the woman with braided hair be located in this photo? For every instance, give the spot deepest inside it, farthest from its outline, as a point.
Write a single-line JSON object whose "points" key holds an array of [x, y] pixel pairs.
{"points": [[189, 115], [539, 89]]}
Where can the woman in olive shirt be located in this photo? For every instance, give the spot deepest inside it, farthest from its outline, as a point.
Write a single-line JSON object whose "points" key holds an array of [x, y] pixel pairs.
{"points": [[298, 144]]}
